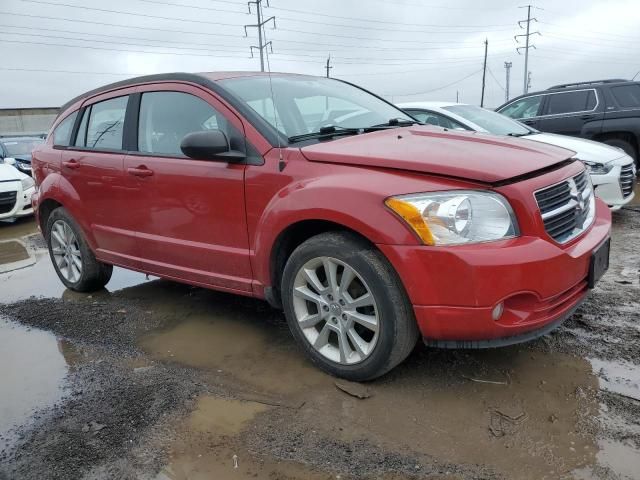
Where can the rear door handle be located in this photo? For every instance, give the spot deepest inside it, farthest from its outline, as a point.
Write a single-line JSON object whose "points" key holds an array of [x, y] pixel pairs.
{"points": [[141, 171], [71, 163], [587, 117]]}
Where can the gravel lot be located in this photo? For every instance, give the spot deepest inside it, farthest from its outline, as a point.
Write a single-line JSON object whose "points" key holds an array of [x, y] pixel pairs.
{"points": [[149, 379]]}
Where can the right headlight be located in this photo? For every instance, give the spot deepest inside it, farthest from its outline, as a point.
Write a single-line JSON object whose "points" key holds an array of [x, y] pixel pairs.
{"points": [[456, 217], [27, 183], [598, 168]]}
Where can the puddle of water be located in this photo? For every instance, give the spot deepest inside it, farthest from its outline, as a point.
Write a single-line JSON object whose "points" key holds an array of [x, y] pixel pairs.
{"points": [[208, 448], [618, 377], [432, 405], [234, 343], [35, 276], [32, 375]]}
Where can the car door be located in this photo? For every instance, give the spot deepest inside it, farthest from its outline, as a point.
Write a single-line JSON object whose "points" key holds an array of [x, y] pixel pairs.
{"points": [[93, 165], [526, 110], [568, 113], [190, 213]]}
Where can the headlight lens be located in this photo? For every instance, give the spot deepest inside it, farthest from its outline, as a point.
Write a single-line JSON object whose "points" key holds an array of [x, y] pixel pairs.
{"points": [[456, 217], [27, 183], [598, 168]]}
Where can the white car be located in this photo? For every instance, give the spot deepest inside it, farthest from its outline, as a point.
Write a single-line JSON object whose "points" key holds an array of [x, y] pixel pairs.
{"points": [[612, 170], [16, 190]]}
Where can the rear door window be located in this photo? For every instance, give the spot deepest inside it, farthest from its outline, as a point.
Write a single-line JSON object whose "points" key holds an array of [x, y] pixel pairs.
{"points": [[571, 102], [523, 108], [62, 133], [627, 96], [106, 124]]}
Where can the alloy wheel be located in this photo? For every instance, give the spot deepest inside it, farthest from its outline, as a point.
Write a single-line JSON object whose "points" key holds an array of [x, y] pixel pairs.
{"points": [[66, 251], [336, 310]]}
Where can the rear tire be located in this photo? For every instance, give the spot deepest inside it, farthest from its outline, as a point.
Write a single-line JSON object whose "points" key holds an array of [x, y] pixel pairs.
{"points": [[73, 260], [354, 322], [628, 148]]}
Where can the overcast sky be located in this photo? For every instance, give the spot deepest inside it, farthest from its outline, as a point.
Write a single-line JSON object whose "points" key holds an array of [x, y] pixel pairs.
{"points": [[406, 50]]}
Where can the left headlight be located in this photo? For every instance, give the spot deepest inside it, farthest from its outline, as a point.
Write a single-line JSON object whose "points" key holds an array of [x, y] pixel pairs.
{"points": [[456, 217], [27, 183], [598, 168]]}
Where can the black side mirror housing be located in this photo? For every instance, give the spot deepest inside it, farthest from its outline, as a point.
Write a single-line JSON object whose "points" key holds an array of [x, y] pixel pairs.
{"points": [[209, 145]]}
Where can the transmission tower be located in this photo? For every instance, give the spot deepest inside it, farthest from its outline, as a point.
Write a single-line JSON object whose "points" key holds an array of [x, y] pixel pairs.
{"points": [[260, 26]]}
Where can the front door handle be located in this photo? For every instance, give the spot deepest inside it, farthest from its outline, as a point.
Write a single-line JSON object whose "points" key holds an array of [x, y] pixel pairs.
{"points": [[71, 163], [587, 117], [141, 171]]}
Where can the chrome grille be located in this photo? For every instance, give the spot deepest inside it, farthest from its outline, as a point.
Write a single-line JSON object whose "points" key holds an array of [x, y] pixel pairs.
{"points": [[567, 208], [627, 177], [7, 201]]}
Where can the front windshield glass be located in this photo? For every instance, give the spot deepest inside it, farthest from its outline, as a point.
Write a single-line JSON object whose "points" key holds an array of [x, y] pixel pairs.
{"points": [[301, 105], [21, 147], [492, 122]]}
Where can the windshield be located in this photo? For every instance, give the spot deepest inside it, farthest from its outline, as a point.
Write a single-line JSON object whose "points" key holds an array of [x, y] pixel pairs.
{"points": [[302, 105], [492, 122], [21, 147]]}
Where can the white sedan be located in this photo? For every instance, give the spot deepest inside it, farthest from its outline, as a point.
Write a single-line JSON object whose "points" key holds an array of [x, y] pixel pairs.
{"points": [[612, 171], [16, 190]]}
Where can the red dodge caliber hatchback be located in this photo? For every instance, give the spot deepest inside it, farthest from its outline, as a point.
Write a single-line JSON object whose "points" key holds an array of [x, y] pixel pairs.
{"points": [[367, 228]]}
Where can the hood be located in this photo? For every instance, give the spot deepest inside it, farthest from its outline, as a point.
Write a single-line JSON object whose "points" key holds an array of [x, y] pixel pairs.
{"points": [[9, 173], [586, 150], [483, 158]]}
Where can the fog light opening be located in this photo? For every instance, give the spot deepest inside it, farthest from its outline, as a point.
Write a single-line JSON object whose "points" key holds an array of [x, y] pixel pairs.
{"points": [[497, 311]]}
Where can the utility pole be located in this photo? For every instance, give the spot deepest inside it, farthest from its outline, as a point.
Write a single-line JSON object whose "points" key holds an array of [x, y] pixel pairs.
{"points": [[484, 70], [507, 67], [260, 26], [527, 43], [457, 96], [528, 80], [328, 67]]}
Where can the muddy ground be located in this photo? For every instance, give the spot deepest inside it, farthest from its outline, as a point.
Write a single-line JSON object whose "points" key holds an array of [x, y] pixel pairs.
{"points": [[149, 379]]}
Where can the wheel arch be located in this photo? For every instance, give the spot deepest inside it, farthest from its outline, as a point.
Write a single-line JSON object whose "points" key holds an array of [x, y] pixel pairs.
{"points": [[289, 239]]}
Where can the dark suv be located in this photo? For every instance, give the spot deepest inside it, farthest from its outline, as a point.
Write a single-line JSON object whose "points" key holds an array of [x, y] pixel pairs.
{"points": [[605, 110]]}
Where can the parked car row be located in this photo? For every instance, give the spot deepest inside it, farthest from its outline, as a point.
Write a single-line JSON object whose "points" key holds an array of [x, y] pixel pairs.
{"points": [[369, 229], [16, 190], [605, 110], [612, 171]]}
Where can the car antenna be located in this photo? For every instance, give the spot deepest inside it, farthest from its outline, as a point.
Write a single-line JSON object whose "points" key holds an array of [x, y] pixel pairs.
{"points": [[281, 163]]}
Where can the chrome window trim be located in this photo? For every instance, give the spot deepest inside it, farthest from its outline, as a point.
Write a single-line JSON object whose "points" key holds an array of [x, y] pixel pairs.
{"points": [[568, 114]]}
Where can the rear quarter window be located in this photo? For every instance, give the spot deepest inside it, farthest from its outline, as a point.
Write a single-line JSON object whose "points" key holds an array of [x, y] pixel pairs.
{"points": [[62, 133], [627, 95]]}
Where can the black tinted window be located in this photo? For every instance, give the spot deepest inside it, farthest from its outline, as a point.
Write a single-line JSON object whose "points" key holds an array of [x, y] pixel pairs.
{"points": [[106, 122], [167, 117], [571, 102], [62, 133], [627, 95]]}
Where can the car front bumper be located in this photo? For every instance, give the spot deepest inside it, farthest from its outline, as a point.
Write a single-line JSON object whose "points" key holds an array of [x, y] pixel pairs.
{"points": [[609, 188], [21, 206], [455, 290]]}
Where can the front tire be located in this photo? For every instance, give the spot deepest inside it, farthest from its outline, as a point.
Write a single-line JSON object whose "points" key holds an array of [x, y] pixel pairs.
{"points": [[73, 260], [346, 307]]}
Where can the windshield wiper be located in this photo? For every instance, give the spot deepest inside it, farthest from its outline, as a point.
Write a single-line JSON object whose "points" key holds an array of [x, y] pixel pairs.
{"points": [[520, 134], [394, 122], [326, 132]]}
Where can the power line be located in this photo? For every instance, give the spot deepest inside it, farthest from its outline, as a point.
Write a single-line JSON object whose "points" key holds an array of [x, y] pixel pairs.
{"points": [[438, 88]]}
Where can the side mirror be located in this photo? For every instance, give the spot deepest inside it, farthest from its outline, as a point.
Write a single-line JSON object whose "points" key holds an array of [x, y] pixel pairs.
{"points": [[10, 161], [209, 145]]}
